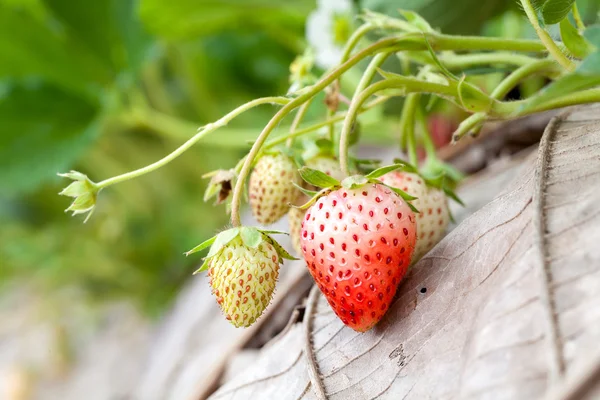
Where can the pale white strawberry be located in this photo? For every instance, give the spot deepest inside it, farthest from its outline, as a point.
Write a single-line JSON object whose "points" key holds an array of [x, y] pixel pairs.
{"points": [[432, 203], [271, 187]]}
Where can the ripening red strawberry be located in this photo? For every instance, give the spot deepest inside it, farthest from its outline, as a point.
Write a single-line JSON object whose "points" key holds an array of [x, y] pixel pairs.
{"points": [[357, 244], [329, 166], [271, 187], [432, 203]]}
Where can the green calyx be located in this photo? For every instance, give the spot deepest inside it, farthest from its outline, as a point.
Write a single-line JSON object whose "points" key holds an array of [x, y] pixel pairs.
{"points": [[83, 190], [439, 175], [251, 237], [327, 183]]}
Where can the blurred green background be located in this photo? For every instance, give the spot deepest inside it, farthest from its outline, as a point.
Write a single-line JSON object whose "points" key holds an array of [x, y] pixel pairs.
{"points": [[107, 86]]}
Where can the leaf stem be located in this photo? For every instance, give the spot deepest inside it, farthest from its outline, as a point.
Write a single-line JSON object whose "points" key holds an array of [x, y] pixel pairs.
{"points": [[407, 126], [296, 122], [332, 121], [577, 18], [203, 131], [552, 48]]}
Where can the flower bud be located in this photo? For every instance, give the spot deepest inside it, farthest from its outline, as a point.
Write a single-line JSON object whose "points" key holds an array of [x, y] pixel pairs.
{"points": [[83, 190]]}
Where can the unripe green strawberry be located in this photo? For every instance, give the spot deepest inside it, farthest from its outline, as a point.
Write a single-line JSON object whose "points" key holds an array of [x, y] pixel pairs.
{"points": [[432, 203], [271, 187], [357, 244], [243, 266], [243, 279]]}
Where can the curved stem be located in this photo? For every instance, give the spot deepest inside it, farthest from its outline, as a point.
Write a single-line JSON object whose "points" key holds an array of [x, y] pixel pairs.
{"points": [[296, 122], [463, 61], [427, 142], [309, 93], [549, 67], [364, 82], [201, 133], [553, 49], [577, 18], [407, 126], [332, 121], [354, 39], [512, 80], [406, 84]]}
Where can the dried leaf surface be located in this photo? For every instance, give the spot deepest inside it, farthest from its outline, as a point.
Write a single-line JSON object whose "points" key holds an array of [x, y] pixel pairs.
{"points": [[507, 306]]}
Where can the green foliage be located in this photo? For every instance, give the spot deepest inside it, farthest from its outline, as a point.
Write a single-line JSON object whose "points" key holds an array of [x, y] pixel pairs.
{"points": [[456, 16], [91, 86], [553, 11], [181, 19], [573, 40], [43, 130]]}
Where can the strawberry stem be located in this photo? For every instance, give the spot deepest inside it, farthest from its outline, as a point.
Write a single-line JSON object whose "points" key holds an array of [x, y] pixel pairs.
{"points": [[552, 47]]}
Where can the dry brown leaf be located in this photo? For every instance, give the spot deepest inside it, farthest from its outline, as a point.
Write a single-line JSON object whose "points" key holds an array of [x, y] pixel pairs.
{"points": [[507, 306]]}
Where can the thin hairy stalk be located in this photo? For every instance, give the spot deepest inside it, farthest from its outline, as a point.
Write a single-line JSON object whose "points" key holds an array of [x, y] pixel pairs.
{"points": [[203, 131], [296, 122], [427, 142], [407, 125], [336, 118], [463, 61], [519, 108], [552, 47]]}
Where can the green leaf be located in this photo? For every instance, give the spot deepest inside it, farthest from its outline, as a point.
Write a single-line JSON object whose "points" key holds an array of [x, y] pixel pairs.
{"points": [[272, 231], [471, 98], [590, 67], [451, 16], [416, 20], [406, 166], [592, 34], [553, 11], [251, 236], [438, 63], [587, 76], [188, 19], [383, 170], [573, 40], [317, 178], [400, 192], [43, 131], [222, 239], [32, 46], [309, 193], [355, 181], [453, 196], [201, 246], [203, 267], [281, 252], [313, 199]]}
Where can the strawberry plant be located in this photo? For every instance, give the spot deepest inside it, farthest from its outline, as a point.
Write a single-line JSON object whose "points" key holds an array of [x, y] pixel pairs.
{"points": [[364, 224]]}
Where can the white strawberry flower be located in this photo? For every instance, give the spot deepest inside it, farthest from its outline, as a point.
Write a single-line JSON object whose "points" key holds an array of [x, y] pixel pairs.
{"points": [[327, 30]]}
